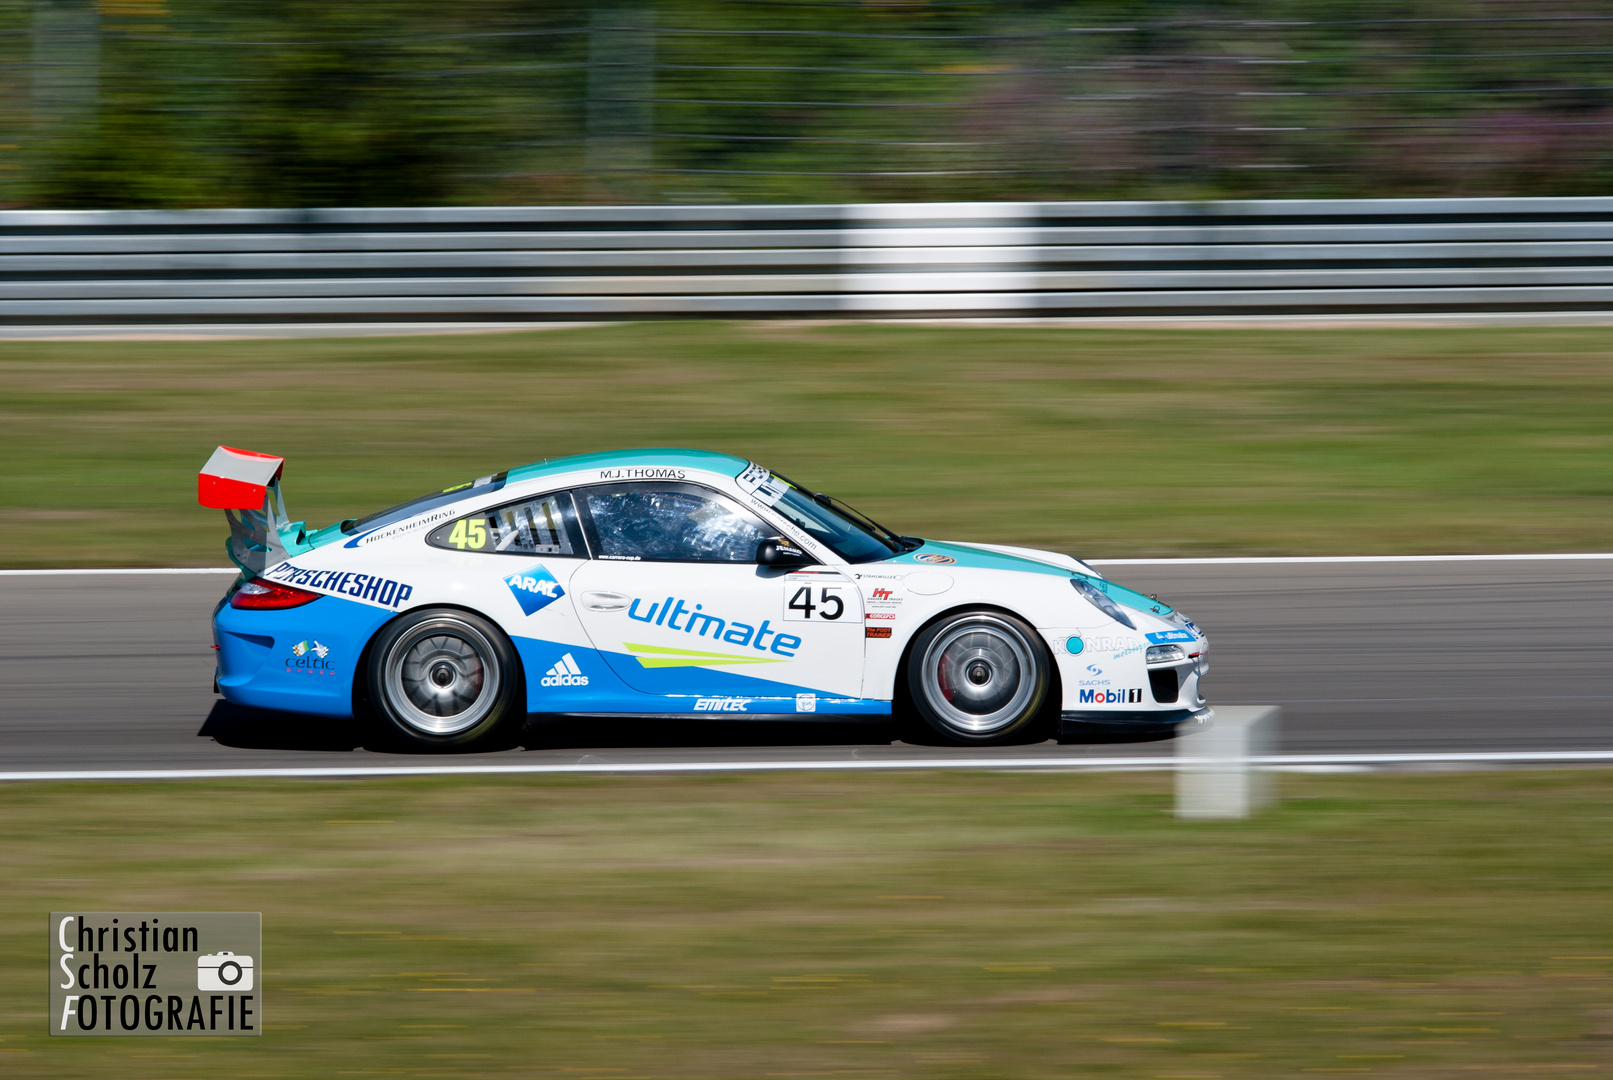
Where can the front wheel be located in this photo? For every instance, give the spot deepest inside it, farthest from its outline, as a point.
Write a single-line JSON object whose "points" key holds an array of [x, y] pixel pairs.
{"points": [[444, 679], [978, 676]]}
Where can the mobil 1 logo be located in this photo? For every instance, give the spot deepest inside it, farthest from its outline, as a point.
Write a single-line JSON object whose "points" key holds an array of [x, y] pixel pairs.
{"points": [[191, 973]]}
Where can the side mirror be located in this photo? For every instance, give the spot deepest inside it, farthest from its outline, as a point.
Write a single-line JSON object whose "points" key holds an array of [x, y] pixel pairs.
{"points": [[777, 551]]}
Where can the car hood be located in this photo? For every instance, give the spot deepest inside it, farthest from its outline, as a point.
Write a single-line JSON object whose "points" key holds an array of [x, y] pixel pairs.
{"points": [[940, 553], [990, 557]]}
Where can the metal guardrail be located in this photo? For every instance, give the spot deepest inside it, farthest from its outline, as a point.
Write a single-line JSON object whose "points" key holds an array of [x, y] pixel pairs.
{"points": [[1042, 260]]}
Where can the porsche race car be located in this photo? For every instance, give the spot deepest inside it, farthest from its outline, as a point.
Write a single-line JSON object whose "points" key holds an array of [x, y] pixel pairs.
{"points": [[673, 583]]}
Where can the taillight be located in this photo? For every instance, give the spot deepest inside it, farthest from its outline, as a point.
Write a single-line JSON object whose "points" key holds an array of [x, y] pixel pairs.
{"points": [[260, 595]]}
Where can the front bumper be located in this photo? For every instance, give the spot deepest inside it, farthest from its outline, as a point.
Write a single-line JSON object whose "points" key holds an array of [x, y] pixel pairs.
{"points": [[1079, 724]]}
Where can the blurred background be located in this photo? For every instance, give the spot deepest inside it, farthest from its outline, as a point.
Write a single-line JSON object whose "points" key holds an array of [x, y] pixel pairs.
{"points": [[284, 103], [1413, 926]]}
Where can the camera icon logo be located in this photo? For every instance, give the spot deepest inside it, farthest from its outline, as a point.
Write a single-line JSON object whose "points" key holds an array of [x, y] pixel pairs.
{"points": [[224, 971]]}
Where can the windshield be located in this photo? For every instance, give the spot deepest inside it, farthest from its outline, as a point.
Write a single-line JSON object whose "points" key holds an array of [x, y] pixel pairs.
{"points": [[850, 535]]}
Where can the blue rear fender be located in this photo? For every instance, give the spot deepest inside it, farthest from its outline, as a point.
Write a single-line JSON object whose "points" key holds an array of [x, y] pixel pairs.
{"points": [[301, 659]]}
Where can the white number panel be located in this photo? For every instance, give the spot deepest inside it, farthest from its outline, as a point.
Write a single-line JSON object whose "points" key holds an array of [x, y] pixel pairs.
{"points": [[806, 601]]}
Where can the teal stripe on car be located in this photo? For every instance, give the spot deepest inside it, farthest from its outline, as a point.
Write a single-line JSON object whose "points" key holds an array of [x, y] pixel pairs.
{"points": [[975, 558]]}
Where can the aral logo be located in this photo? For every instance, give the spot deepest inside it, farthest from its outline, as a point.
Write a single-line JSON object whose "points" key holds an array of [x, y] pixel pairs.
{"points": [[565, 673], [534, 589]]}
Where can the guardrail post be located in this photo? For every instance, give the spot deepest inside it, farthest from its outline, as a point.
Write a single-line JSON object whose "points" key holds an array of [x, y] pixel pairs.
{"points": [[621, 86], [1214, 775]]}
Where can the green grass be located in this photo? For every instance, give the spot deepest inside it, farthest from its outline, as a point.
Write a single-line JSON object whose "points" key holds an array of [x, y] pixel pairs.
{"points": [[939, 925], [1099, 442]]}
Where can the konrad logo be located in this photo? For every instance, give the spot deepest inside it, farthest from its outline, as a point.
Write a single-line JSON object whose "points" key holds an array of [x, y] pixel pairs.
{"points": [[565, 673], [534, 589]]}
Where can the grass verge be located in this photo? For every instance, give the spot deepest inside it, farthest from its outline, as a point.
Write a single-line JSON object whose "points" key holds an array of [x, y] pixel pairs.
{"points": [[938, 925], [1103, 442]]}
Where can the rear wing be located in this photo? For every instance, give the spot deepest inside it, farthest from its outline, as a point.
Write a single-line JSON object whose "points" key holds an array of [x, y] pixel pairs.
{"points": [[246, 486]]}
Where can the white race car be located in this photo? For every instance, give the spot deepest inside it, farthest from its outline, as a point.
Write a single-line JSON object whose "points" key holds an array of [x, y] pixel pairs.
{"points": [[665, 583]]}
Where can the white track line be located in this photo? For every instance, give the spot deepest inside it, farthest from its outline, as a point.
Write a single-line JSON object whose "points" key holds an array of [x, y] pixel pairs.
{"points": [[1254, 560], [1152, 764]]}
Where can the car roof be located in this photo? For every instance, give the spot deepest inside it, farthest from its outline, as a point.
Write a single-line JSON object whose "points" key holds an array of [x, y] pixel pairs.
{"points": [[661, 457], [672, 457]]}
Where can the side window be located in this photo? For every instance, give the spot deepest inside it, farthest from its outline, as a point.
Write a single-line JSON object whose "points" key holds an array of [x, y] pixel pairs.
{"points": [[669, 523], [545, 525]]}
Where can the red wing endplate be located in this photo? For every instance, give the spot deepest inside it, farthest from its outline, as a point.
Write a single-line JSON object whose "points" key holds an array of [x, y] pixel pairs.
{"points": [[237, 479]]}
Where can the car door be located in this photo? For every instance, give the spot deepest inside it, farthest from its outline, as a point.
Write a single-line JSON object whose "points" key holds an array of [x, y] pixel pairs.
{"points": [[514, 563], [677, 605]]}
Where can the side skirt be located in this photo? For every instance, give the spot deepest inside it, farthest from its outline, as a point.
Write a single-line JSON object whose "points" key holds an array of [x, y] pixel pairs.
{"points": [[773, 718]]}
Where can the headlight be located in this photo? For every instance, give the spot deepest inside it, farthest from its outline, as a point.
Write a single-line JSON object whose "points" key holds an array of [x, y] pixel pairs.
{"points": [[1176, 618], [1163, 654], [1101, 601]]}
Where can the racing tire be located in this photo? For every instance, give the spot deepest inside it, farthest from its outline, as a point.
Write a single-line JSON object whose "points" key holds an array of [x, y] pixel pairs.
{"points": [[444, 679], [978, 677]]}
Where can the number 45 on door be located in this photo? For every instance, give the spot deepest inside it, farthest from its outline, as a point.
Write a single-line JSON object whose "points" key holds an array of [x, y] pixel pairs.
{"points": [[812, 603]]}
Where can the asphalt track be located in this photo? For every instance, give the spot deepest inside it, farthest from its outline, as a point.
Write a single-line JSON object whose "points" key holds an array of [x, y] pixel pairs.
{"points": [[113, 672]]}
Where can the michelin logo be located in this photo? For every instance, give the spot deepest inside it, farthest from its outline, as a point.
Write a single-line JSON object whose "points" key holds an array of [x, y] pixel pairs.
{"points": [[534, 589], [565, 673]]}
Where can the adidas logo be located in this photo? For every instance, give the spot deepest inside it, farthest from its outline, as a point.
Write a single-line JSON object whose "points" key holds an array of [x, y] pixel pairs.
{"points": [[565, 673]]}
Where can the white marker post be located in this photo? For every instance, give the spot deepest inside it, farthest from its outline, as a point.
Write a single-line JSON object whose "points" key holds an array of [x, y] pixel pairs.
{"points": [[1214, 776]]}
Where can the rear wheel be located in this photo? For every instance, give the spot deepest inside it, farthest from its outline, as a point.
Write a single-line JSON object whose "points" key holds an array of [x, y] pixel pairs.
{"points": [[444, 679], [978, 676]]}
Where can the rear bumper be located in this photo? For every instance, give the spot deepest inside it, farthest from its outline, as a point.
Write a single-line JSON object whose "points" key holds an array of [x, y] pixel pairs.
{"points": [[301, 659]]}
